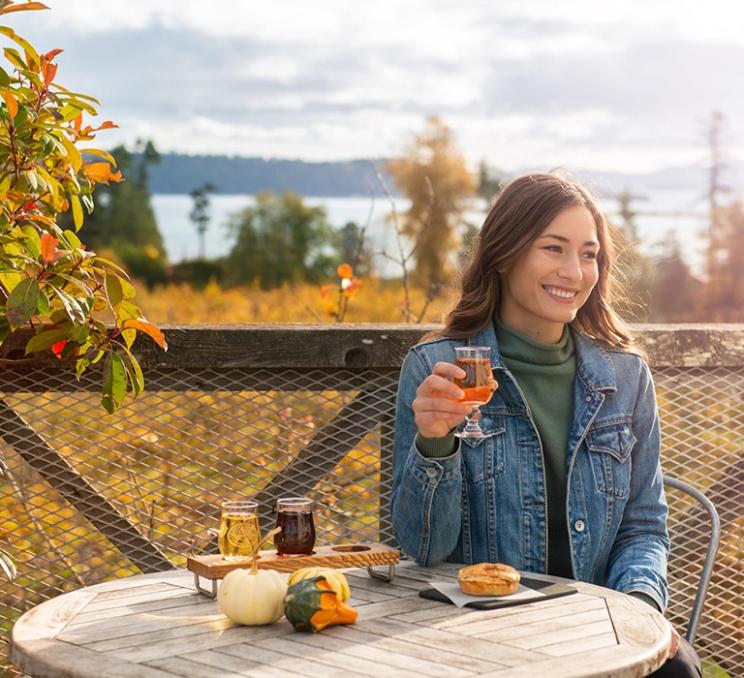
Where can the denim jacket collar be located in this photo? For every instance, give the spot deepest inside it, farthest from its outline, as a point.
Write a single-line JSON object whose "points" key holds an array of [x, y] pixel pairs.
{"points": [[593, 365]]}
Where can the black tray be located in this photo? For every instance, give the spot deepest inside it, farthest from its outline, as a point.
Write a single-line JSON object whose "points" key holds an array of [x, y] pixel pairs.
{"points": [[546, 588]]}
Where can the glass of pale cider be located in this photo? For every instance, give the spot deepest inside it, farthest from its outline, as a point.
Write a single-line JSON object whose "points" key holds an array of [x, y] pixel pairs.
{"points": [[239, 530]]}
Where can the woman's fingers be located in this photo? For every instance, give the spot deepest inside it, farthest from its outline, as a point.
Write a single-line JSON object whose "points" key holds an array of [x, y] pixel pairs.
{"points": [[436, 384], [437, 405], [440, 406]]}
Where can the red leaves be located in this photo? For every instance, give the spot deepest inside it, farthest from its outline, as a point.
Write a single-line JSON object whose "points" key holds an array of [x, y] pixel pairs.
{"points": [[48, 69], [58, 348], [346, 288], [344, 271], [49, 253], [349, 284]]}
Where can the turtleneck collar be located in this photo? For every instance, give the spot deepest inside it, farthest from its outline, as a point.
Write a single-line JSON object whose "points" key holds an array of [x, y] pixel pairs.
{"points": [[517, 346]]}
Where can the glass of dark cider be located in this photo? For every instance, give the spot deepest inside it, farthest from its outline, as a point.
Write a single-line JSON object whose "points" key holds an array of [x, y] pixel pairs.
{"points": [[295, 516]]}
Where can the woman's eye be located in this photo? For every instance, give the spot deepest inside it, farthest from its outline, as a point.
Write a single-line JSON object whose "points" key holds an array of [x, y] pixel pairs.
{"points": [[590, 255], [553, 248]]}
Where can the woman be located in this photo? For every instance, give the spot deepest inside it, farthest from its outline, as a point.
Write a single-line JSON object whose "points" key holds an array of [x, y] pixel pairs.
{"points": [[567, 480]]}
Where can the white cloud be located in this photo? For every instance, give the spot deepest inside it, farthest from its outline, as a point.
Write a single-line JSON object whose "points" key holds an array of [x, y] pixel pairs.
{"points": [[538, 82]]}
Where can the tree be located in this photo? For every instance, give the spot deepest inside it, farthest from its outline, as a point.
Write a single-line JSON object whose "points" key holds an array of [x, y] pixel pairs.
{"points": [[490, 181], [124, 221], [53, 288], [279, 240], [716, 190], [432, 174], [675, 292], [725, 285], [353, 248], [200, 215], [627, 214]]}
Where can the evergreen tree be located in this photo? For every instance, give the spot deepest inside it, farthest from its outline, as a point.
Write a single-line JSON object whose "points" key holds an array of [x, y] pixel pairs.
{"points": [[490, 182], [123, 220], [200, 215], [675, 292], [354, 250]]}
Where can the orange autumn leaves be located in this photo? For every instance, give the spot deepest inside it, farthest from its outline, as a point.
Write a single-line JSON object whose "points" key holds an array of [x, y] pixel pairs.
{"points": [[50, 282], [335, 305]]}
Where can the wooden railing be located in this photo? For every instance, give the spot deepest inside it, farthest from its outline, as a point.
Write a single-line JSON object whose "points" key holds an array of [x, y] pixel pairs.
{"points": [[365, 359]]}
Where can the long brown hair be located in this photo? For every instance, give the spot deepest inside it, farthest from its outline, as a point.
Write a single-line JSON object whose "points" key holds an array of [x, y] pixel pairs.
{"points": [[520, 213]]}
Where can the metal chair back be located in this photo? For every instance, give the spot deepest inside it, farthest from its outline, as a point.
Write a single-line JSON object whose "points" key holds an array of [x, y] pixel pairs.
{"points": [[710, 554]]}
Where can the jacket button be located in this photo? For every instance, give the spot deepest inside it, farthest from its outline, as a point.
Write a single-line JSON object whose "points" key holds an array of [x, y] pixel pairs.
{"points": [[579, 526], [588, 399], [431, 472]]}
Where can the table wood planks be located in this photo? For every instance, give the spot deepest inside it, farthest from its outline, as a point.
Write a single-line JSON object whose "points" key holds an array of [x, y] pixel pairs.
{"points": [[157, 626]]}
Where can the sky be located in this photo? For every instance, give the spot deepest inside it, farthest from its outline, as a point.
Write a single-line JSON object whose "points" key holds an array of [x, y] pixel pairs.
{"points": [[624, 86]]}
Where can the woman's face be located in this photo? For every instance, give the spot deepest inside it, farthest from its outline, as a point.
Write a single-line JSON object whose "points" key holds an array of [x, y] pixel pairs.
{"points": [[547, 284]]}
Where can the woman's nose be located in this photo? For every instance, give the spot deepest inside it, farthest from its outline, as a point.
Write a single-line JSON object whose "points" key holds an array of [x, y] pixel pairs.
{"points": [[571, 269]]}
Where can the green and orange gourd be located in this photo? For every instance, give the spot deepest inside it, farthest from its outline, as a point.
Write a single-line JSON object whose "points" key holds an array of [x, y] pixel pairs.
{"points": [[313, 604]]}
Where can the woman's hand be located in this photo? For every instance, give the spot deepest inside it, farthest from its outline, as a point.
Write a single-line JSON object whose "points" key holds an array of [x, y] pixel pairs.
{"points": [[436, 404]]}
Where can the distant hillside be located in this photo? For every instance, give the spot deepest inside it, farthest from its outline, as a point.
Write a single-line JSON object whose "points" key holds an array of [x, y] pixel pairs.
{"points": [[178, 173]]}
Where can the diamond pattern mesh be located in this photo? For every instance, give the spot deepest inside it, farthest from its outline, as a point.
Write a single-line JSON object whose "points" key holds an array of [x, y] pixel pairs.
{"points": [[89, 496]]}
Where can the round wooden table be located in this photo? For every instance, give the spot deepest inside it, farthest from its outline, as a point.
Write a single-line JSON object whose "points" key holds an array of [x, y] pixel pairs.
{"points": [[158, 626]]}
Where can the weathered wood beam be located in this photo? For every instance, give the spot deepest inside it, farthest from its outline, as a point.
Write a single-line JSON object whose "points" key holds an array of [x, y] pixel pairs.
{"points": [[380, 345], [76, 490]]}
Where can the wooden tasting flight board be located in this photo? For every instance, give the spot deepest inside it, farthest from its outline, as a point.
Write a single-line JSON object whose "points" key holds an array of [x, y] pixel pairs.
{"points": [[330, 555]]}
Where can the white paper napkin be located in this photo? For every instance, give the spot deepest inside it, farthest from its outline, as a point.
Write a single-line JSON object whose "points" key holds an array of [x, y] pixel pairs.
{"points": [[453, 592]]}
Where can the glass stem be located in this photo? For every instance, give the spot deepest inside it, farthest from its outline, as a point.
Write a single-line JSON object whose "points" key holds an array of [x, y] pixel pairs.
{"points": [[472, 428]]}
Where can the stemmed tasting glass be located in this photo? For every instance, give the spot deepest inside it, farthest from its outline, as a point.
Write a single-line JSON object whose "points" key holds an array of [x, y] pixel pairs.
{"points": [[478, 385]]}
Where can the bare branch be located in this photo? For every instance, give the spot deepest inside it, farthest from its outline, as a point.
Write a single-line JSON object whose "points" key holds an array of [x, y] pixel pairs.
{"points": [[21, 491]]}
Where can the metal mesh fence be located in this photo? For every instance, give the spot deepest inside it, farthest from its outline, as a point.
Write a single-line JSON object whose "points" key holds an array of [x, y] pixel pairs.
{"points": [[89, 496]]}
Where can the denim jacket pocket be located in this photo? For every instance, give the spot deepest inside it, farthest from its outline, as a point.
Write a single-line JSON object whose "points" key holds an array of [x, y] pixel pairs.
{"points": [[609, 454], [484, 459]]}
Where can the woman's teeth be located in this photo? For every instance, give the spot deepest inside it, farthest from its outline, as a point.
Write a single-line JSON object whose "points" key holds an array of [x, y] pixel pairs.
{"points": [[563, 294]]}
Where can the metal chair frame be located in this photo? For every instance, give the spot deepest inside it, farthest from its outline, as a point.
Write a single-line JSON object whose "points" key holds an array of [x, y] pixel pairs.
{"points": [[710, 556]]}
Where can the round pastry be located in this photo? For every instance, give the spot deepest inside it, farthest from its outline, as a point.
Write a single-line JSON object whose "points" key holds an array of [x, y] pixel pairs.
{"points": [[488, 579]]}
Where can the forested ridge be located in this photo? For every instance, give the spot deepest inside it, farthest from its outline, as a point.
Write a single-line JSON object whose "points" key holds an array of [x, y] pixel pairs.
{"points": [[179, 173]]}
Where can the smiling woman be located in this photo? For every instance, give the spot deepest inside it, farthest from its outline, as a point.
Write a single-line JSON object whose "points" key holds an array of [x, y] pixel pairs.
{"points": [[566, 479]]}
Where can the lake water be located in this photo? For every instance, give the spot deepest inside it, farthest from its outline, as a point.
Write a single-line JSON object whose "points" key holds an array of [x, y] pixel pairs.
{"points": [[682, 212]]}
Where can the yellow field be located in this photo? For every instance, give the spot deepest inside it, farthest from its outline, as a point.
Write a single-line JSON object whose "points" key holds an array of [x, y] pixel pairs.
{"points": [[376, 301]]}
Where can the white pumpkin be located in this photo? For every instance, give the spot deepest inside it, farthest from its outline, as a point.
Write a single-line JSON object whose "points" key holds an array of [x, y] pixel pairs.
{"points": [[251, 598]]}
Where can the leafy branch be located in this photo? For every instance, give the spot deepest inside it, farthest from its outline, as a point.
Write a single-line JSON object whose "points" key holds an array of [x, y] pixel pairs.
{"points": [[49, 283]]}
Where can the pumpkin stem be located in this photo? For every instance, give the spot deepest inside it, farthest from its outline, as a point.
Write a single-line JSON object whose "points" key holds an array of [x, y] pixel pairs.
{"points": [[254, 555]]}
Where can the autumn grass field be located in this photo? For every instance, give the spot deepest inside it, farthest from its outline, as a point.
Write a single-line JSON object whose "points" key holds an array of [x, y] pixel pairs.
{"points": [[377, 301]]}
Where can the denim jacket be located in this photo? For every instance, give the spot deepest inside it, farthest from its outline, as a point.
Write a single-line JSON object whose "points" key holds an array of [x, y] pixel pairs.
{"points": [[486, 501]]}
